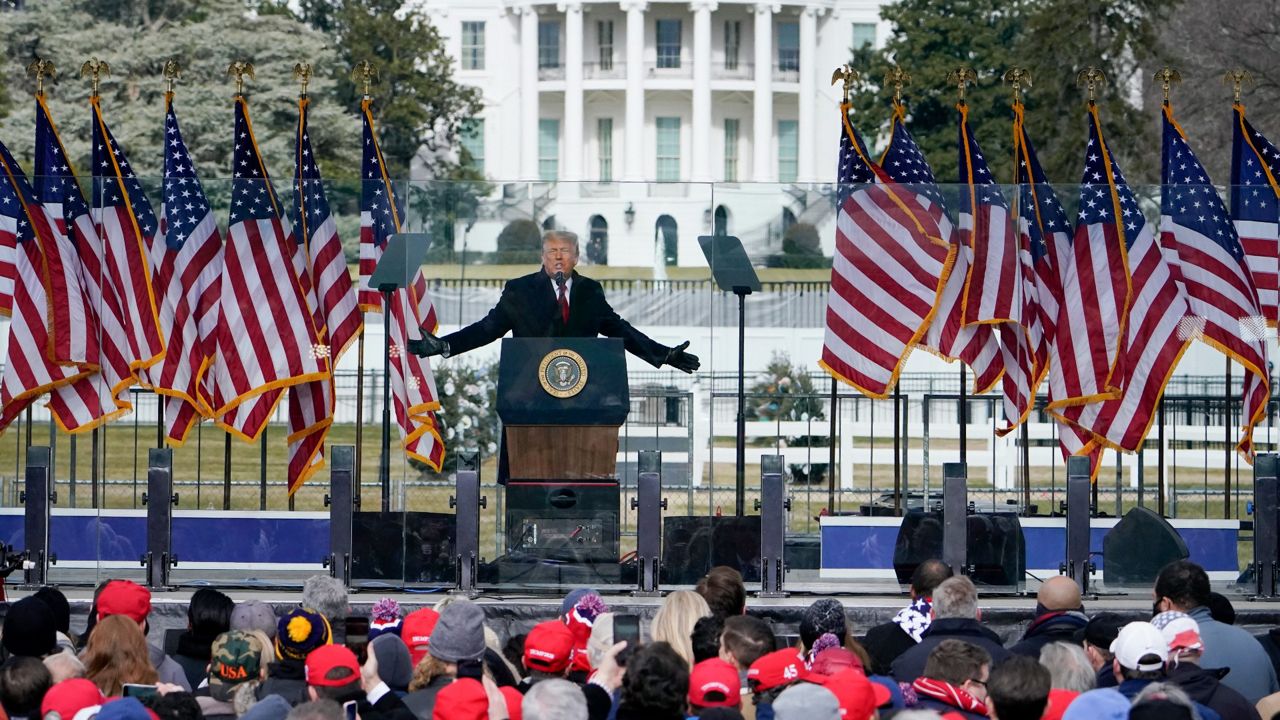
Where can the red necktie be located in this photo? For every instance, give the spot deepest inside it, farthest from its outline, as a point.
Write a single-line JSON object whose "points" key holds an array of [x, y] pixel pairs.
{"points": [[564, 306]]}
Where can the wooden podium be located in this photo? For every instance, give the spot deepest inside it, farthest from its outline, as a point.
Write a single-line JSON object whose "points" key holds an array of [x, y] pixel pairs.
{"points": [[561, 401]]}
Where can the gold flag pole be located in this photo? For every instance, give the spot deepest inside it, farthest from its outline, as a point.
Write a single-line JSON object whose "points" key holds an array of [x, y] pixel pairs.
{"points": [[364, 73], [1091, 78], [239, 69], [171, 74], [847, 75], [962, 77], [897, 77], [1017, 78], [40, 69], [1237, 78], [94, 68], [1167, 76], [302, 73]]}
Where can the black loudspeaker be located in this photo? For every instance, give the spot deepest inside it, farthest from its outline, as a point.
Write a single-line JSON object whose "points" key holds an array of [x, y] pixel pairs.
{"points": [[415, 547], [692, 545], [569, 522], [1138, 547], [996, 550]]}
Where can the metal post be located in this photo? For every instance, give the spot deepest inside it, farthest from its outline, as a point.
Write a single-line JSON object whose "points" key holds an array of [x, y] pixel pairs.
{"points": [[740, 486], [773, 506], [964, 419], [1266, 517], [648, 505], [226, 472], [467, 505], [159, 500], [262, 470], [831, 448], [342, 501], [71, 469], [898, 458], [1077, 565], [1227, 445], [36, 498], [93, 466], [955, 516], [384, 464], [1160, 460]]}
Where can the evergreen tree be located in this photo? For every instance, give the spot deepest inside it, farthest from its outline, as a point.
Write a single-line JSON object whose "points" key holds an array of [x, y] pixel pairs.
{"points": [[1055, 39]]}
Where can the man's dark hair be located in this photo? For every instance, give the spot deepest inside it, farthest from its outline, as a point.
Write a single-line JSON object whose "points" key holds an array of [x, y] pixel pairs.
{"points": [[955, 662], [724, 591], [340, 693], [706, 637], [513, 652], [23, 683], [1019, 688], [1185, 584], [656, 683], [1221, 609], [209, 613], [929, 575], [747, 638], [174, 706]]}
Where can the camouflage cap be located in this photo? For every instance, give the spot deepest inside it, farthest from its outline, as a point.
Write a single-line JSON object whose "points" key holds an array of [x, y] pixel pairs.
{"points": [[236, 658]]}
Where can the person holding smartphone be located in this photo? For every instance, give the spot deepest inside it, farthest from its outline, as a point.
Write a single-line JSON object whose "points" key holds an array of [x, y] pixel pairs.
{"points": [[333, 673]]}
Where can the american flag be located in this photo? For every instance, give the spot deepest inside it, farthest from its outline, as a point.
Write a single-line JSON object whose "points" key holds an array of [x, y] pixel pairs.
{"points": [[95, 398], [1155, 334], [266, 335], [126, 225], [996, 293], [372, 245], [1044, 238], [319, 257], [413, 388], [1255, 164], [889, 261], [1095, 284], [947, 336], [25, 230], [1209, 264], [187, 257]]}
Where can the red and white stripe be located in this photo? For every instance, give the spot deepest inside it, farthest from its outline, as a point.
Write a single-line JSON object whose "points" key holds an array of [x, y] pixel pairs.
{"points": [[265, 337], [1155, 338], [975, 345], [187, 286], [1261, 243], [884, 280]]}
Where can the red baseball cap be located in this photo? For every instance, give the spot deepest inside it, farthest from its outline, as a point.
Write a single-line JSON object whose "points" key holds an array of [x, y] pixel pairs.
{"points": [[462, 699], [124, 597], [549, 647], [70, 697], [715, 683], [514, 700], [778, 668], [858, 696], [416, 629], [329, 657]]}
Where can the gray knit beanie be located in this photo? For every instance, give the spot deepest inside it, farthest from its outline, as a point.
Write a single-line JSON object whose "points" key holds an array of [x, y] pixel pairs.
{"points": [[459, 633]]}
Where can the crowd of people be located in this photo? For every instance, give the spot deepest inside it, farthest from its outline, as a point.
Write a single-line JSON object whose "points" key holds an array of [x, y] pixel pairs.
{"points": [[703, 656]]}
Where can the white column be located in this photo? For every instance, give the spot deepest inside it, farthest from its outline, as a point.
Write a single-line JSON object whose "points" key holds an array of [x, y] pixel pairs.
{"points": [[572, 91], [528, 92], [808, 92], [701, 135], [762, 169], [633, 133]]}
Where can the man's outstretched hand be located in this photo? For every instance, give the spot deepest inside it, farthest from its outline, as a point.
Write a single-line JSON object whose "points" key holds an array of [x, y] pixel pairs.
{"points": [[681, 360], [428, 346]]}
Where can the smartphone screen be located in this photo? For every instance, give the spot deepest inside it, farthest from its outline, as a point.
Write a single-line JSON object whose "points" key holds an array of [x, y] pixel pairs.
{"points": [[626, 627], [349, 709], [135, 690]]}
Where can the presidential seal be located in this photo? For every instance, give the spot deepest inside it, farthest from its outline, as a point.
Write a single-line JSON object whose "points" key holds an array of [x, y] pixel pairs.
{"points": [[563, 373]]}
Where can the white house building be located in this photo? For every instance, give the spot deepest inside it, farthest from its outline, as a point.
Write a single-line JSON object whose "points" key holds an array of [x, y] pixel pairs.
{"points": [[634, 109]]}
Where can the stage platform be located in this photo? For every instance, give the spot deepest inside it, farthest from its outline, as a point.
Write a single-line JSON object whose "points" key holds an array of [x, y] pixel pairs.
{"points": [[512, 614]]}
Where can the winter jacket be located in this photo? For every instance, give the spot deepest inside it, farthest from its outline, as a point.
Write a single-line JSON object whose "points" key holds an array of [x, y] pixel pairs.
{"points": [[1131, 688], [1048, 628], [168, 671], [1227, 646], [1206, 688], [288, 679], [885, 643], [422, 702], [910, 665]]}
